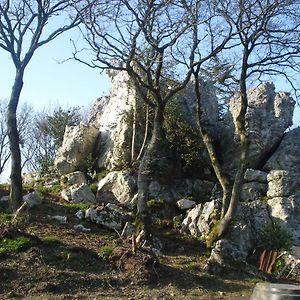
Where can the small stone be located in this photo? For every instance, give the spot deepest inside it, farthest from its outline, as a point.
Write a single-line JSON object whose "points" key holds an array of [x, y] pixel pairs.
{"points": [[80, 214], [185, 204], [80, 227], [60, 219]]}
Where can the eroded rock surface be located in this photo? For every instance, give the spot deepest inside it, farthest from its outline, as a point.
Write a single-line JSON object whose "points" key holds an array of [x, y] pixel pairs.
{"points": [[287, 155], [78, 143], [268, 116], [116, 187]]}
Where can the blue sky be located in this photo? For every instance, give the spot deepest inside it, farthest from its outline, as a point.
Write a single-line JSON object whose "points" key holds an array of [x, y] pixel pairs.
{"points": [[49, 83]]}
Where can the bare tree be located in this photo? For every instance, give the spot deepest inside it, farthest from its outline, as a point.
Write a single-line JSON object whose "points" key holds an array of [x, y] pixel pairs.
{"points": [[25, 26], [153, 42], [266, 44]]}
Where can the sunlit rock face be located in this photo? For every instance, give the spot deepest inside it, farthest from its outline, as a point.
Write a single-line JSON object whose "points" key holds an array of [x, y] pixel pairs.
{"points": [[109, 114], [78, 144], [287, 155], [268, 116]]}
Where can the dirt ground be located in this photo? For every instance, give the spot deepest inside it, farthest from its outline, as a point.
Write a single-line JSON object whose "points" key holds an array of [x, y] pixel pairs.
{"points": [[62, 263]]}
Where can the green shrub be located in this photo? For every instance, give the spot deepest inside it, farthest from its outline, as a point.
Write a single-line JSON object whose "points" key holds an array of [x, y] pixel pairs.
{"points": [[275, 237], [106, 250], [155, 203], [15, 245]]}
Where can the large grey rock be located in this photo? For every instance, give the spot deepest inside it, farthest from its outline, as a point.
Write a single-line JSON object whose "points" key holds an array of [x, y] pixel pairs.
{"points": [[286, 210], [199, 190], [200, 219], [282, 183], [268, 116], [287, 155], [116, 187], [189, 224], [78, 193], [253, 191], [256, 176], [33, 199], [76, 177], [185, 204], [111, 216], [78, 143]]}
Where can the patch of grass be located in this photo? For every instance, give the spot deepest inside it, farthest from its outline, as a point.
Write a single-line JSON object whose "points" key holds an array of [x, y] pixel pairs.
{"points": [[56, 188], [94, 187], [101, 174], [15, 245], [5, 218], [106, 250], [51, 241], [78, 206]]}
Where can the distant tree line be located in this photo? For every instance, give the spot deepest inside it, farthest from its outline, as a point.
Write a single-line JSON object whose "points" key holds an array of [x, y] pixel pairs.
{"points": [[41, 134]]}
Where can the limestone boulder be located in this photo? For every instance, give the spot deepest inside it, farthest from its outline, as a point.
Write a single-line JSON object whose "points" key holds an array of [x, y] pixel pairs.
{"points": [[116, 187], [199, 190], [200, 219], [185, 204], [286, 211], [268, 116], [78, 193], [287, 155], [111, 216], [255, 176], [33, 199], [282, 183], [76, 177], [253, 191], [79, 141]]}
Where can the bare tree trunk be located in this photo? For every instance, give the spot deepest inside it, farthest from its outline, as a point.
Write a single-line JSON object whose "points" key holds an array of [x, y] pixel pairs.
{"points": [[148, 166], [145, 134], [13, 135], [133, 134], [244, 147], [208, 142]]}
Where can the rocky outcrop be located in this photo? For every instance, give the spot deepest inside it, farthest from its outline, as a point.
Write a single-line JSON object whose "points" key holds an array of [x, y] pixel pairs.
{"points": [[268, 116], [77, 177], [116, 187], [78, 143], [284, 201], [78, 193], [287, 155], [255, 185], [110, 115]]}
